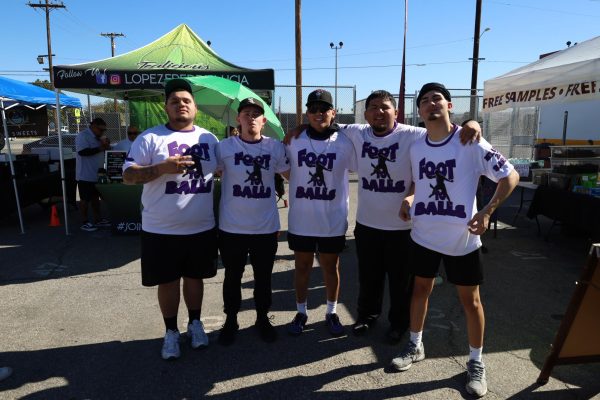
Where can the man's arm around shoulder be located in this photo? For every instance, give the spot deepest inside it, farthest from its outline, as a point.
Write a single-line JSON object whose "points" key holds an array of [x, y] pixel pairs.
{"points": [[138, 174]]}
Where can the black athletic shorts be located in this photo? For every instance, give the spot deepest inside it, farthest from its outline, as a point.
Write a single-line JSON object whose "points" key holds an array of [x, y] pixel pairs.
{"points": [[166, 258], [464, 270], [87, 190], [313, 244]]}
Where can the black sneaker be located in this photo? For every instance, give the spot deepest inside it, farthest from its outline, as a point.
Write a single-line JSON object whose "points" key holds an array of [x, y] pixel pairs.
{"points": [[334, 325], [267, 332], [296, 327], [394, 334], [362, 325], [228, 331]]}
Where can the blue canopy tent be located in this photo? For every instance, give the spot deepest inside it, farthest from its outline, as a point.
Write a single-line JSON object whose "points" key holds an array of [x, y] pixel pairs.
{"points": [[13, 93], [26, 93]]}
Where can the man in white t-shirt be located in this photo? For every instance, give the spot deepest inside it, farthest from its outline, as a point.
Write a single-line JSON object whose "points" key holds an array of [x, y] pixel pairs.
{"points": [[248, 215], [90, 145], [175, 162], [447, 225], [381, 237], [125, 144], [317, 220]]}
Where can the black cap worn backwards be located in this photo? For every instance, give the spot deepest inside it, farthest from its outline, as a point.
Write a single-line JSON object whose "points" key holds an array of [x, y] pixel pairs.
{"points": [[175, 85], [251, 102], [428, 87], [319, 96]]}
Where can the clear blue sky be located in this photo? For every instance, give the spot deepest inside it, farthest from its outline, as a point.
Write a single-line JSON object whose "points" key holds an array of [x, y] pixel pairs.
{"points": [[260, 34]]}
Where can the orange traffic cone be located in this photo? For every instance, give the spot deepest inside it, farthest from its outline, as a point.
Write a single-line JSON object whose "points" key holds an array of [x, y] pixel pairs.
{"points": [[54, 220]]}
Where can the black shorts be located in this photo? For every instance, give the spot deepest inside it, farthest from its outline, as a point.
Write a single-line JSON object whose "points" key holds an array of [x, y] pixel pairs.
{"points": [[464, 270], [313, 244], [166, 258], [88, 191]]}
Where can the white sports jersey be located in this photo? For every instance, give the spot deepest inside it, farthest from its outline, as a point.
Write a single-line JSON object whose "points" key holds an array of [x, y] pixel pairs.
{"points": [[319, 185], [248, 203], [446, 175], [176, 204], [384, 173]]}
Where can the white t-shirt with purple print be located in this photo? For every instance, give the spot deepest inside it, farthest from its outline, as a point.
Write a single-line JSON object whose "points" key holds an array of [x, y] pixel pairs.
{"points": [[248, 204], [177, 204], [446, 175]]}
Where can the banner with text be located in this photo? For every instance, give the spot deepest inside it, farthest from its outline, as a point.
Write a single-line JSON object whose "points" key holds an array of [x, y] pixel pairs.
{"points": [[538, 96]]}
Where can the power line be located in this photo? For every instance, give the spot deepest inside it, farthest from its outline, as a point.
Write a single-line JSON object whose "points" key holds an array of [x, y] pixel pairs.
{"points": [[544, 9], [398, 65]]}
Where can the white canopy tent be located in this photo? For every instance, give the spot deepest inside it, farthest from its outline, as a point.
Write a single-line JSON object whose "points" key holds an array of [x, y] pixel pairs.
{"points": [[572, 74]]}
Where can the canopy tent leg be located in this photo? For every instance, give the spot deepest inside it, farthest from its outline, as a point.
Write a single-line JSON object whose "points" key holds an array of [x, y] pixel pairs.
{"points": [[514, 116], [62, 163], [12, 167]]}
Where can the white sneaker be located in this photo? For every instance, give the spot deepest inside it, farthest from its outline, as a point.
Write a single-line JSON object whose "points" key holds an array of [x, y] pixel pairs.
{"points": [[197, 335], [170, 349], [5, 372], [410, 354], [103, 223], [476, 382], [89, 227]]}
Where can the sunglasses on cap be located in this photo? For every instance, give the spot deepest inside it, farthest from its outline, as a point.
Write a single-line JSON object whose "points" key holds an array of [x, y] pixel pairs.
{"points": [[132, 133], [315, 108]]}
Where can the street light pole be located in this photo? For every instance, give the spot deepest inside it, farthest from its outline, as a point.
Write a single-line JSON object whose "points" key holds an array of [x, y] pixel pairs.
{"points": [[336, 48]]}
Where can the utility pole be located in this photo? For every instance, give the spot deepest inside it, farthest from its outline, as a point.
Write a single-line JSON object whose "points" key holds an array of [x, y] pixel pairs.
{"points": [[476, 36], [298, 62], [112, 36], [49, 7], [402, 92]]}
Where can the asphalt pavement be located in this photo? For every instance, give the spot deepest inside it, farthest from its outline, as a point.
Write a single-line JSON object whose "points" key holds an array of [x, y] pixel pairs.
{"points": [[77, 324]]}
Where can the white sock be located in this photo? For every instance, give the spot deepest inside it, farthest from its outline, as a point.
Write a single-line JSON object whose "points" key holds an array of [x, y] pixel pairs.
{"points": [[301, 307], [475, 353], [331, 307], [416, 337]]}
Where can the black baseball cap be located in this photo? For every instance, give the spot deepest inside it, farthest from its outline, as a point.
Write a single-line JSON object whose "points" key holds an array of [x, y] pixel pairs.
{"points": [[251, 102], [177, 84], [428, 87], [98, 122], [320, 96]]}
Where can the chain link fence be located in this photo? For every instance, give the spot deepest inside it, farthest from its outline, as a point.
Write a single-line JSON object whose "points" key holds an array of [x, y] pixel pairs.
{"points": [[284, 103], [75, 120], [512, 132], [461, 101]]}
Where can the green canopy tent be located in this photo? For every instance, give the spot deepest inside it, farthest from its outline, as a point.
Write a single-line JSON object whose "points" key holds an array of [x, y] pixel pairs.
{"points": [[139, 75]]}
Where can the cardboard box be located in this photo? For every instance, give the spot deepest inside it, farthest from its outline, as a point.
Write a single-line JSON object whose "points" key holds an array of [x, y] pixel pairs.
{"points": [[539, 176], [559, 181]]}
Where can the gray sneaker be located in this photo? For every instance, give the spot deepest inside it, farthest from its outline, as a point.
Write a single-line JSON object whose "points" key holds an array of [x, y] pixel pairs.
{"points": [[476, 383], [170, 349], [409, 354]]}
